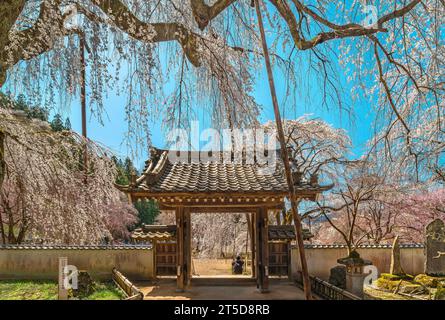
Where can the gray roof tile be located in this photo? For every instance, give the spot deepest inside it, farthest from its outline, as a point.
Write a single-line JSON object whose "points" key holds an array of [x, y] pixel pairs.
{"points": [[162, 174]]}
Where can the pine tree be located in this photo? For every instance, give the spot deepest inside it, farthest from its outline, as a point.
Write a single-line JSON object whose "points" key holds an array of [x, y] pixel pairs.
{"points": [[147, 210], [121, 176], [129, 168], [57, 123], [67, 124], [32, 112], [21, 104]]}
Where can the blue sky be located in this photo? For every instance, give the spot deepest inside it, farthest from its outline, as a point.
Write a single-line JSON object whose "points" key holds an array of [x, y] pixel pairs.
{"points": [[112, 132], [114, 128]]}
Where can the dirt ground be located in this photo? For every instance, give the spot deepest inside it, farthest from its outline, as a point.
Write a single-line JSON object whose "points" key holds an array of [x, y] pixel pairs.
{"points": [[206, 273], [166, 290], [213, 267]]}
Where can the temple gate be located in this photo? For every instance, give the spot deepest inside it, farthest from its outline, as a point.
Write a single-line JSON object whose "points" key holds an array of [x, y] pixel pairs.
{"points": [[186, 183]]}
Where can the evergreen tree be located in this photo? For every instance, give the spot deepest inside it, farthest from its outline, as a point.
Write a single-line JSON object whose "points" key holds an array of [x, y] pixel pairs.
{"points": [[122, 177], [57, 123], [21, 104], [147, 210], [67, 124], [37, 112], [129, 168], [32, 112]]}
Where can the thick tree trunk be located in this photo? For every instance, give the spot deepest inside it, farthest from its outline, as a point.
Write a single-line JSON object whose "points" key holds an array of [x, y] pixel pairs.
{"points": [[9, 12], [2, 178], [2, 159], [285, 156]]}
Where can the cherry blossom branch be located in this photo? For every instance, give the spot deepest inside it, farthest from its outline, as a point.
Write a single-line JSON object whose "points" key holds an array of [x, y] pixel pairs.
{"points": [[339, 31], [204, 13]]}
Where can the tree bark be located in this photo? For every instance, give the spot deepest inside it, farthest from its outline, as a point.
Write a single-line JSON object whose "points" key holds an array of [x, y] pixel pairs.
{"points": [[2, 178], [49, 27], [2, 159], [9, 12], [285, 157]]}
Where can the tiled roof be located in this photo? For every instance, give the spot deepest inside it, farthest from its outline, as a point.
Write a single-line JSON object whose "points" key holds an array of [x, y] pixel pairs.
{"points": [[286, 232], [165, 173], [365, 246], [72, 247]]}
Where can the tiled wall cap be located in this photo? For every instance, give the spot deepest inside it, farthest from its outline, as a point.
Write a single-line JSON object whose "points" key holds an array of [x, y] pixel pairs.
{"points": [[366, 246], [74, 247]]}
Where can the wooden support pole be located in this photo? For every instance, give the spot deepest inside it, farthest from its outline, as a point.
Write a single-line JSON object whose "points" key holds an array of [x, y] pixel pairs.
{"points": [[285, 158], [83, 103]]}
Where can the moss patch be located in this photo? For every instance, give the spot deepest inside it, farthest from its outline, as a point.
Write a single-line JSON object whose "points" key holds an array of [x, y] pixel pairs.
{"points": [[386, 284], [374, 294], [395, 277], [47, 290], [105, 291], [28, 290], [440, 292], [391, 277], [428, 281]]}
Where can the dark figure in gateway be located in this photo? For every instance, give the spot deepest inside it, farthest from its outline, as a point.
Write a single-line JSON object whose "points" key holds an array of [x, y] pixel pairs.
{"points": [[237, 265]]}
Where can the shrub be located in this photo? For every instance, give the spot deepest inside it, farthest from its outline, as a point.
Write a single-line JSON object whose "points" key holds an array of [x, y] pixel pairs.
{"points": [[440, 293]]}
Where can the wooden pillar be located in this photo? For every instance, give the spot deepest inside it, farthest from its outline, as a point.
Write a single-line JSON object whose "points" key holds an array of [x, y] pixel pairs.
{"points": [[180, 248], [252, 243], [183, 248], [257, 227], [155, 260], [265, 248], [187, 248], [262, 250]]}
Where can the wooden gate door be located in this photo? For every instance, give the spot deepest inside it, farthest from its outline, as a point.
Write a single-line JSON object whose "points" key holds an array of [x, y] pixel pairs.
{"points": [[166, 258], [279, 258]]}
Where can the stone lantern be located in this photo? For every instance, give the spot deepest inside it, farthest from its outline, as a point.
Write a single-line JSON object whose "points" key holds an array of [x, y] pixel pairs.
{"points": [[354, 272]]}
